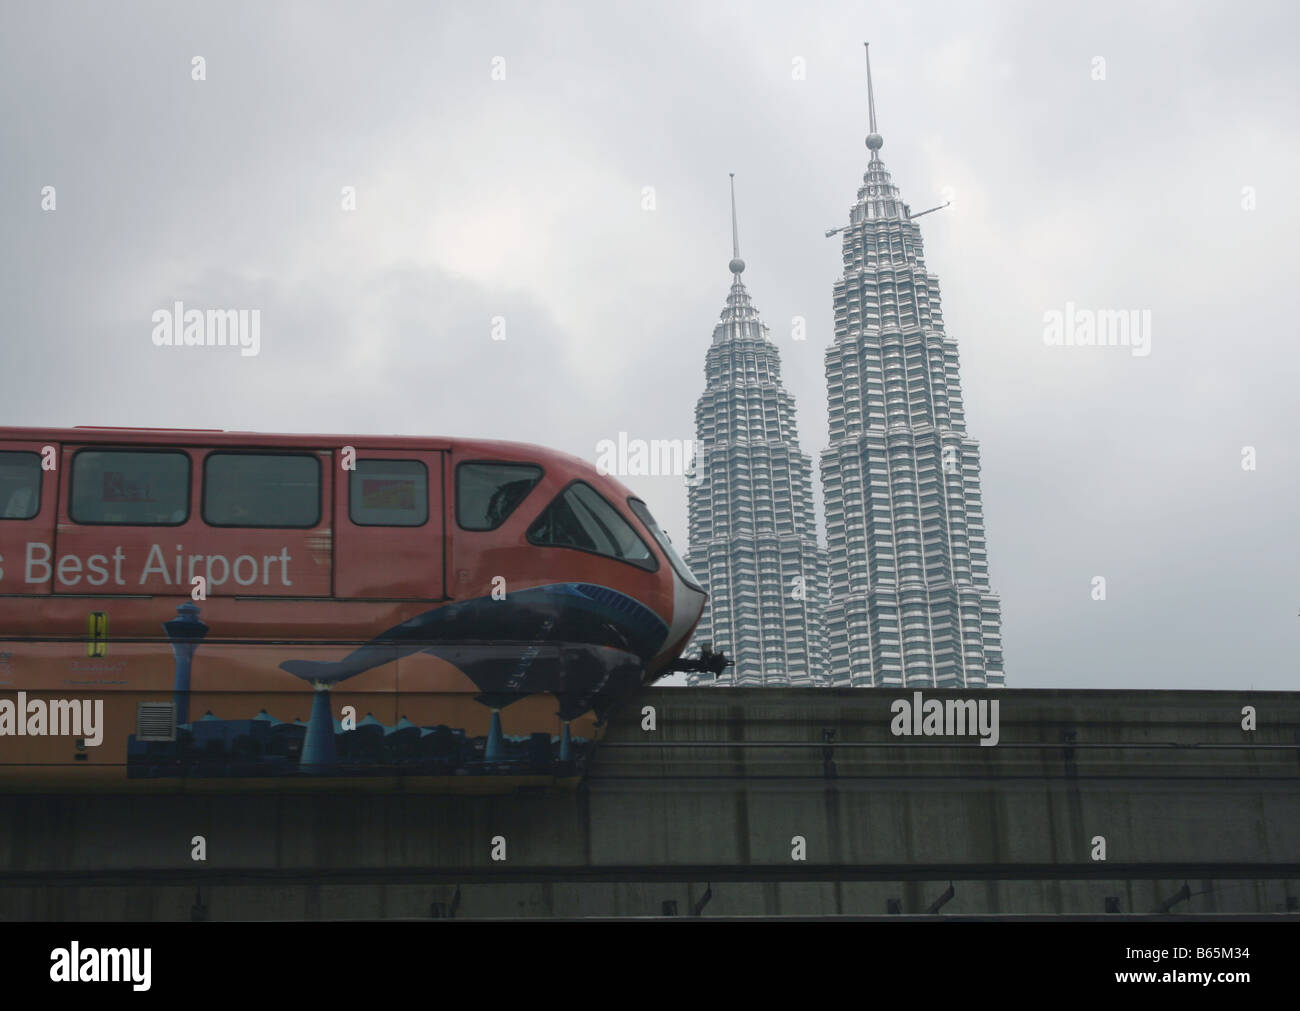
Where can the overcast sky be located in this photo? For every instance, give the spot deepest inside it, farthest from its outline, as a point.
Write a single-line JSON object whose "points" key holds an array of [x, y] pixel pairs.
{"points": [[523, 198]]}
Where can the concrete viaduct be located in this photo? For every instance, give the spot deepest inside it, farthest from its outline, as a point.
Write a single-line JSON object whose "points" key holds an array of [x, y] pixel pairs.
{"points": [[733, 802]]}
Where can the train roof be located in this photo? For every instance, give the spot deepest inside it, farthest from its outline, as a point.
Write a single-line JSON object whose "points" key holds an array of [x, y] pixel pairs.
{"points": [[298, 440]]}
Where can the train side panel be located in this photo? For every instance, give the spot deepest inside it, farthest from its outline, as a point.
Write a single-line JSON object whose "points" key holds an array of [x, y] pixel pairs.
{"points": [[371, 644]]}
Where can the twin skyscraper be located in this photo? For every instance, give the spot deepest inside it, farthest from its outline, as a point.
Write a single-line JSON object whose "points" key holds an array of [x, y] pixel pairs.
{"points": [[901, 596]]}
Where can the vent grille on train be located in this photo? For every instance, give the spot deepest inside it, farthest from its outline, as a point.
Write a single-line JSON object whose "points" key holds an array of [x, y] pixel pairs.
{"points": [[155, 721]]}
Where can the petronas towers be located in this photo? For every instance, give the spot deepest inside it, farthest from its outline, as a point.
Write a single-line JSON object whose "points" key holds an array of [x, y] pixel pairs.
{"points": [[753, 539], [901, 597]]}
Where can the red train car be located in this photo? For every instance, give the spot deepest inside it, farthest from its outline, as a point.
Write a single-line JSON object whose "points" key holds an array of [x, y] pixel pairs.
{"points": [[183, 609]]}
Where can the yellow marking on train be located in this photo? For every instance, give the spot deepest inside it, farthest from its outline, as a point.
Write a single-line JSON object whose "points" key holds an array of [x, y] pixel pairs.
{"points": [[97, 634]]}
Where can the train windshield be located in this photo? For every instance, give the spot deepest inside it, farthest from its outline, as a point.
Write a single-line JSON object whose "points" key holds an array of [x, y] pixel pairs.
{"points": [[580, 518], [665, 545]]}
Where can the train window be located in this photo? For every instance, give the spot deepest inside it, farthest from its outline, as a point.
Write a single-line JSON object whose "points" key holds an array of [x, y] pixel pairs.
{"points": [[20, 485], [261, 490], [486, 493], [130, 487], [665, 545], [580, 518], [389, 493]]}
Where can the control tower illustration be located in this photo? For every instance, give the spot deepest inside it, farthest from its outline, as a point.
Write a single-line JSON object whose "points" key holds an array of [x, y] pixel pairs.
{"points": [[185, 632]]}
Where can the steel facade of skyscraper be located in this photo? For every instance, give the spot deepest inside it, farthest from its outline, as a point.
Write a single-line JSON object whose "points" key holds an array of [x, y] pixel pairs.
{"points": [[901, 596], [753, 533], [909, 597]]}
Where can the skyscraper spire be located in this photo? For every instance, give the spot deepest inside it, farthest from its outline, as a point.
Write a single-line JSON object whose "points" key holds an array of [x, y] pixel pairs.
{"points": [[737, 265], [874, 140]]}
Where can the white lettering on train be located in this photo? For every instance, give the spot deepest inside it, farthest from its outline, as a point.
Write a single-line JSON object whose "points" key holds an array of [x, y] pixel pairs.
{"points": [[99, 570]]}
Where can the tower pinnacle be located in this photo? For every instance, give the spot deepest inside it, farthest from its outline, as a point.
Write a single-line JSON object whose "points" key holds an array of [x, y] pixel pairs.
{"points": [[874, 140], [737, 265]]}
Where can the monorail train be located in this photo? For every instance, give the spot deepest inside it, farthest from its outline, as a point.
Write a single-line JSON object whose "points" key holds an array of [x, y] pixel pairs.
{"points": [[184, 609]]}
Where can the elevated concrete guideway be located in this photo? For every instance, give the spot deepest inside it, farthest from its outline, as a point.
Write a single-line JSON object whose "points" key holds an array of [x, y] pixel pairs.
{"points": [[739, 801]]}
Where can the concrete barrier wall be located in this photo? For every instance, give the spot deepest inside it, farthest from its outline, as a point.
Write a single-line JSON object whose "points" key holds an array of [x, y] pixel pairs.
{"points": [[777, 802]]}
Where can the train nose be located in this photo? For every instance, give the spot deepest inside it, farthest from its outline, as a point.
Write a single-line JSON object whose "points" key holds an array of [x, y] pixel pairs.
{"points": [[688, 606], [689, 597], [693, 600]]}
